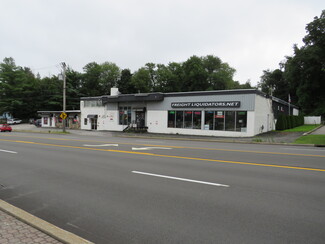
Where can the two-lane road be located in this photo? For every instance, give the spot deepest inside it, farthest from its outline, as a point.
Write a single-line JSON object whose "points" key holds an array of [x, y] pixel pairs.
{"points": [[127, 190]]}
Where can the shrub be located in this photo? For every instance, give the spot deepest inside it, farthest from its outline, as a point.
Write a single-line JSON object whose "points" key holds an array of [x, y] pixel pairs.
{"points": [[281, 123], [289, 125]]}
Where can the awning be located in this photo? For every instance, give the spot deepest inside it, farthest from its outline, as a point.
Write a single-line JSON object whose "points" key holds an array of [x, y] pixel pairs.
{"points": [[91, 116]]}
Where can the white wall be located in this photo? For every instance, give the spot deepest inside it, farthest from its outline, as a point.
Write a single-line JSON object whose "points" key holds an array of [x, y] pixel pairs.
{"points": [[48, 122], [312, 120], [85, 111], [264, 119]]}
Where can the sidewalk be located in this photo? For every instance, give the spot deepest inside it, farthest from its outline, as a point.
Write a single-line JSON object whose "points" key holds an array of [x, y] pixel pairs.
{"points": [[19, 227], [14, 231], [269, 137], [319, 131]]}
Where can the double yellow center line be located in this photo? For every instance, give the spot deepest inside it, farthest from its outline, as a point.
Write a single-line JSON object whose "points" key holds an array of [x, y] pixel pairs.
{"points": [[178, 157]]}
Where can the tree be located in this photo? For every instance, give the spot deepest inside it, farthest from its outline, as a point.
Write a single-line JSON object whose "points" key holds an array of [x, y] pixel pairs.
{"points": [[273, 83], [90, 85], [195, 75], [125, 82], [305, 70], [109, 75], [141, 80]]}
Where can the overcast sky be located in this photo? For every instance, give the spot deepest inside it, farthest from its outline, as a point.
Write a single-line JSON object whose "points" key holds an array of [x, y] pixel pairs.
{"points": [[251, 35]]}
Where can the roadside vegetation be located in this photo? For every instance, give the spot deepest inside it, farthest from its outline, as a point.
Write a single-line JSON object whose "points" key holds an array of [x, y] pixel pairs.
{"points": [[302, 128], [311, 139]]}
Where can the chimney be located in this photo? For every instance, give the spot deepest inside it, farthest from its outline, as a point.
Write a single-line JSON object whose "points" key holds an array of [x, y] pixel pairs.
{"points": [[114, 91]]}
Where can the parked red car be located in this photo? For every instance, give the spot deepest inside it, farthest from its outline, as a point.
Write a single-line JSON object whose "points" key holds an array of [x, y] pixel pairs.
{"points": [[5, 127]]}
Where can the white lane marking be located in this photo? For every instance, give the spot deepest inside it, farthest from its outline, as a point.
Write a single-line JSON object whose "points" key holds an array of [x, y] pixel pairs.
{"points": [[149, 148], [102, 145], [181, 179], [1, 150], [303, 149]]}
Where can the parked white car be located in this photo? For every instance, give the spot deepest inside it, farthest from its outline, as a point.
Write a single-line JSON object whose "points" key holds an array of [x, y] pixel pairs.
{"points": [[13, 121]]}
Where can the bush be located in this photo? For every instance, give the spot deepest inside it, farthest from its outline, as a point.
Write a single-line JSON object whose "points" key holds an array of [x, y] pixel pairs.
{"points": [[289, 125], [281, 123]]}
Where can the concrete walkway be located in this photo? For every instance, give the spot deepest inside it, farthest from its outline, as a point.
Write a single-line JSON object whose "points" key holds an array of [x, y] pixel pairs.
{"points": [[319, 131]]}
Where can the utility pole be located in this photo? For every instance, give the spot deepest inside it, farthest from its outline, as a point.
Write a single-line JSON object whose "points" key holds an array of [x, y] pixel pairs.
{"points": [[64, 94]]}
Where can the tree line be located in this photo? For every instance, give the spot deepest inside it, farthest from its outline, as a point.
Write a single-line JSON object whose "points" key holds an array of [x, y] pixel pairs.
{"points": [[302, 75], [23, 93]]}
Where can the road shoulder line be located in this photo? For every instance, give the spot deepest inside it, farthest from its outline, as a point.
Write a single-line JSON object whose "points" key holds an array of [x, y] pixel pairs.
{"points": [[49, 229]]}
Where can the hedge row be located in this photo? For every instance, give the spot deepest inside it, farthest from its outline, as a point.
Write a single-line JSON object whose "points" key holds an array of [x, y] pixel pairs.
{"points": [[288, 121]]}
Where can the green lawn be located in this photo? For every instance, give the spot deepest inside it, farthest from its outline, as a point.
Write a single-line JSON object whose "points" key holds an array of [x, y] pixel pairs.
{"points": [[302, 128], [311, 139]]}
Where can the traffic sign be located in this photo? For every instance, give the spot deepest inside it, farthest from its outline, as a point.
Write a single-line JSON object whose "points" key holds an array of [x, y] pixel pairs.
{"points": [[63, 115]]}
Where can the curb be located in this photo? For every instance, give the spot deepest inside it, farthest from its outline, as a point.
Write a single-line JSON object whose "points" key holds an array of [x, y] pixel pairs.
{"points": [[43, 226], [185, 139], [213, 140]]}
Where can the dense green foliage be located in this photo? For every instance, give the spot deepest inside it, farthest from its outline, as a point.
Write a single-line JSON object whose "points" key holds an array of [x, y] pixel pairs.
{"points": [[285, 122], [23, 93], [303, 74]]}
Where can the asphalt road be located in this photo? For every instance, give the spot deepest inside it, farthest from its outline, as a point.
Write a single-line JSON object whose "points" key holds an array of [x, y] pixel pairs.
{"points": [[123, 190]]}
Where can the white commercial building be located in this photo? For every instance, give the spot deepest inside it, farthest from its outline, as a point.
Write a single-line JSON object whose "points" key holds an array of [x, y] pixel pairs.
{"points": [[229, 113]]}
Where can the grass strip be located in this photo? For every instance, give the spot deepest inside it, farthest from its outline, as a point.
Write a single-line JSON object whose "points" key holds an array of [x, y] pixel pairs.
{"points": [[311, 139]]}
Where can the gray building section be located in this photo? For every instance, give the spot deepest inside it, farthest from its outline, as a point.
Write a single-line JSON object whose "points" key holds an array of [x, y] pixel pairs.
{"points": [[247, 102]]}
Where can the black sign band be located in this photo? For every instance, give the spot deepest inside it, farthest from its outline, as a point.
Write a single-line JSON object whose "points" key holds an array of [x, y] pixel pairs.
{"points": [[230, 104]]}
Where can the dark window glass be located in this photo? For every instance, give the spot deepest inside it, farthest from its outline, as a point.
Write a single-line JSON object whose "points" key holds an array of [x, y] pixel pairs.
{"points": [[219, 120], [208, 120], [85, 121], [171, 119], [124, 115], [241, 121], [179, 119], [188, 119], [197, 120], [230, 120]]}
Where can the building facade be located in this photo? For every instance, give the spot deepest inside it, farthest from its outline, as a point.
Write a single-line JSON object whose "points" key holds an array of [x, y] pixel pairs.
{"points": [[230, 113], [51, 119]]}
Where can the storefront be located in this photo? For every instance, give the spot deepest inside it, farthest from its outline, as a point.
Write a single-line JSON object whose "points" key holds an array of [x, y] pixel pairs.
{"points": [[231, 113], [51, 119]]}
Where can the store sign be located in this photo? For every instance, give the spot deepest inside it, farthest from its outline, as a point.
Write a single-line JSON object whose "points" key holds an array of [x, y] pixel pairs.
{"points": [[231, 104]]}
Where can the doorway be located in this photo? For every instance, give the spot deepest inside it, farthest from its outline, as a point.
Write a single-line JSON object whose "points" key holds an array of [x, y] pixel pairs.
{"points": [[140, 119], [93, 123]]}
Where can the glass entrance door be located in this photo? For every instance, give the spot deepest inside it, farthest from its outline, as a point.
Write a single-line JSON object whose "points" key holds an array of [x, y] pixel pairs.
{"points": [[93, 122], [140, 119]]}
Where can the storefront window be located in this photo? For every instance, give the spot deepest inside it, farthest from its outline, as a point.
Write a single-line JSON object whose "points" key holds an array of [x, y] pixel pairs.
{"points": [[188, 119], [241, 121], [219, 120], [45, 120], [230, 120], [171, 119], [208, 120], [197, 119], [85, 121], [124, 115], [226, 120], [179, 119]]}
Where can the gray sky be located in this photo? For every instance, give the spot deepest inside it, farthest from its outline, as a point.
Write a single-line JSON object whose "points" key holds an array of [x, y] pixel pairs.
{"points": [[249, 35]]}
